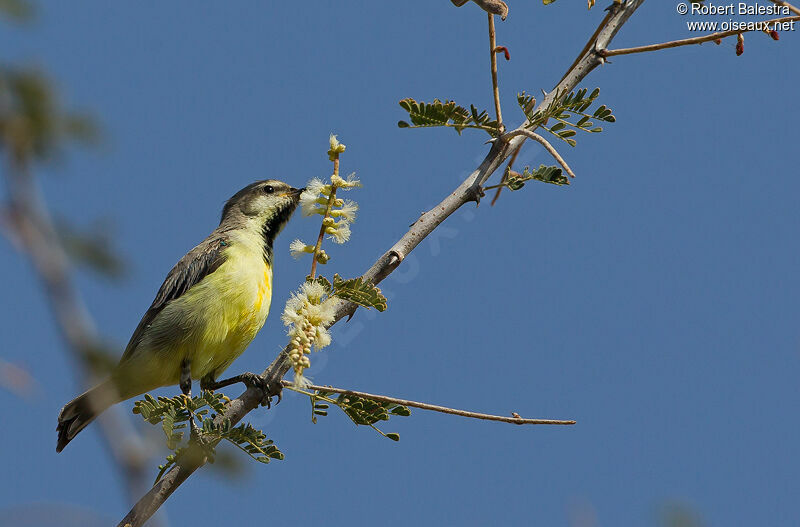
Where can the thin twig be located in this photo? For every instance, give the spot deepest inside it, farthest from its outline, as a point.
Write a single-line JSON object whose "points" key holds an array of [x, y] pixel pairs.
{"points": [[493, 62], [505, 176], [328, 207], [545, 143], [792, 8], [432, 407], [686, 41], [466, 192]]}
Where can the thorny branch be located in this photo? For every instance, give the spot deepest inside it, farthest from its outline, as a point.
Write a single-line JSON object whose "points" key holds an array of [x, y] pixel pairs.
{"points": [[469, 190]]}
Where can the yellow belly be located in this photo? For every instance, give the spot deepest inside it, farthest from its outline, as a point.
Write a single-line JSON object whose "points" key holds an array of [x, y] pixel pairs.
{"points": [[211, 325], [240, 298]]}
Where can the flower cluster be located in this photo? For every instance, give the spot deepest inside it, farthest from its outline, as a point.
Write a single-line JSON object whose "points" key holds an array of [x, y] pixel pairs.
{"points": [[308, 313], [320, 198]]}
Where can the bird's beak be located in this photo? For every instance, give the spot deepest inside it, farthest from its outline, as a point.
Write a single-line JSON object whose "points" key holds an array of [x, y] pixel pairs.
{"points": [[295, 192]]}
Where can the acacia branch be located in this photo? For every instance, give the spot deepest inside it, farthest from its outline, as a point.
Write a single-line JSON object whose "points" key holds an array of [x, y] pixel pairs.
{"points": [[792, 8], [545, 143], [469, 190], [433, 407], [497, 7], [688, 41], [493, 66]]}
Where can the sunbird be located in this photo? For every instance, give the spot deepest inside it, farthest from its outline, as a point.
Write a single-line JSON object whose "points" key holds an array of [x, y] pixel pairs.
{"points": [[207, 311]]}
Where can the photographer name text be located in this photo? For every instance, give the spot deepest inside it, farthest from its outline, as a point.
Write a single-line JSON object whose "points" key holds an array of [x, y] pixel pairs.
{"points": [[742, 8]]}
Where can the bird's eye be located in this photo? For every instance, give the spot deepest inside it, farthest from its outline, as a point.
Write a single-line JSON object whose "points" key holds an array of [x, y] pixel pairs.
{"points": [[269, 189]]}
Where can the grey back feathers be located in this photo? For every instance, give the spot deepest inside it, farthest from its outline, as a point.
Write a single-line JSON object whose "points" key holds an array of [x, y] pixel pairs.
{"points": [[193, 267]]}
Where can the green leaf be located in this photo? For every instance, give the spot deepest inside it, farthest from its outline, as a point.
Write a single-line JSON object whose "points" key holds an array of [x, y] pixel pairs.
{"points": [[528, 103], [545, 174], [401, 410], [449, 114], [393, 436], [360, 292], [563, 109], [174, 414], [362, 411]]}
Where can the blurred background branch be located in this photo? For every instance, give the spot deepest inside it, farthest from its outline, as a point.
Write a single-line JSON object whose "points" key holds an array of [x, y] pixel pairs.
{"points": [[33, 129]]}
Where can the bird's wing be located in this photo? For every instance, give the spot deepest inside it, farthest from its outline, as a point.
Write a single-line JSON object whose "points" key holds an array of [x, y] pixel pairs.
{"points": [[190, 270]]}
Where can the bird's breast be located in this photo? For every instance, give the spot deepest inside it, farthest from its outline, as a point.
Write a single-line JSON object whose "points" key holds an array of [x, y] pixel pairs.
{"points": [[237, 297]]}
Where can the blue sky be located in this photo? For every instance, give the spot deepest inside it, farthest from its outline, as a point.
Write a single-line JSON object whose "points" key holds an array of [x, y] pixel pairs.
{"points": [[654, 300]]}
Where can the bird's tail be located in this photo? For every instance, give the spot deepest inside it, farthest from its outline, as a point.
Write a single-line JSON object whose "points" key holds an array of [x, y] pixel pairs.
{"points": [[82, 410]]}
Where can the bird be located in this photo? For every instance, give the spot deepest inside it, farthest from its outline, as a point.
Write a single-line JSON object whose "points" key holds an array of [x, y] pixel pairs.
{"points": [[210, 307]]}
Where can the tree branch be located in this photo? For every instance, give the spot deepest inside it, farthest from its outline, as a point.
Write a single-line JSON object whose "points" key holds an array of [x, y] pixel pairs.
{"points": [[496, 7], [30, 228], [433, 407], [493, 66], [686, 41], [792, 8], [545, 143], [469, 190]]}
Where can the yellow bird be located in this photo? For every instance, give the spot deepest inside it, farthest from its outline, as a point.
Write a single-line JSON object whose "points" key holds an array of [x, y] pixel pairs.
{"points": [[208, 310]]}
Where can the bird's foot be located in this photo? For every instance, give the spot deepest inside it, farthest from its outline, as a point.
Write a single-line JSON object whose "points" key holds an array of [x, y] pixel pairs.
{"points": [[251, 380], [208, 384]]}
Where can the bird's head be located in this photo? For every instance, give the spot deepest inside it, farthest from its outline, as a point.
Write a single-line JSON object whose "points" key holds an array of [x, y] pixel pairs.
{"points": [[266, 205]]}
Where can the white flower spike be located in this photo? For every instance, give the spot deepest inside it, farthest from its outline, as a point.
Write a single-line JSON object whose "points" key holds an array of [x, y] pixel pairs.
{"points": [[308, 313]]}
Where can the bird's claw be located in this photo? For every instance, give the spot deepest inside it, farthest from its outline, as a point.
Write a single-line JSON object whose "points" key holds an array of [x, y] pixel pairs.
{"points": [[270, 389]]}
